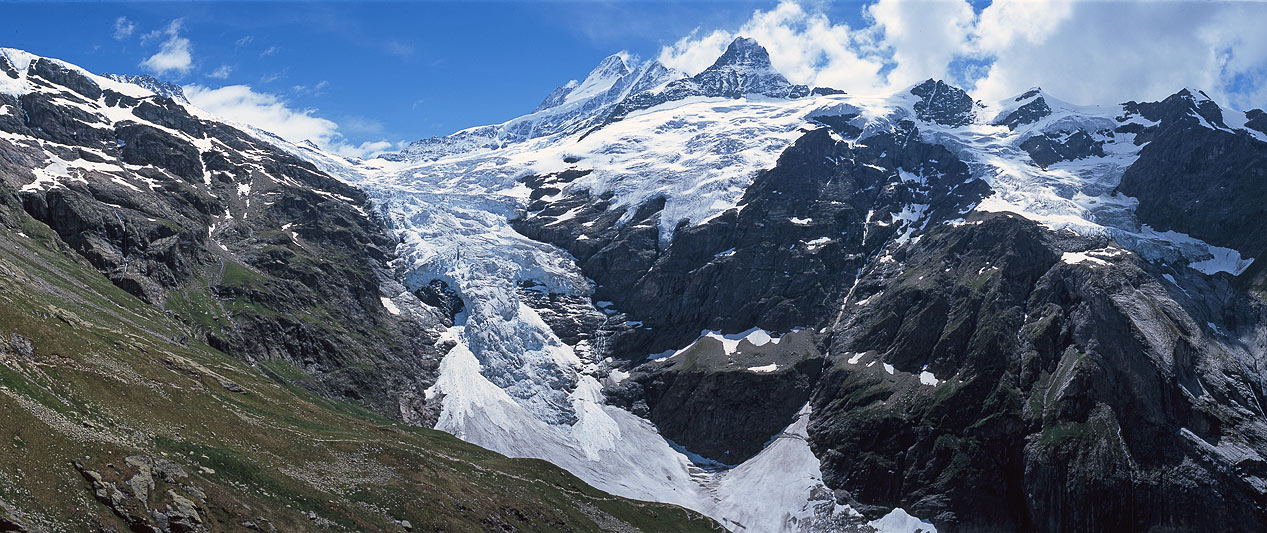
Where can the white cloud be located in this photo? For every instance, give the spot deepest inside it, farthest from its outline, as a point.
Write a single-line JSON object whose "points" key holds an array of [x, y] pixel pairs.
{"points": [[221, 73], [316, 89], [692, 54], [804, 46], [922, 37], [123, 28], [175, 55], [1110, 52], [1084, 52], [269, 112]]}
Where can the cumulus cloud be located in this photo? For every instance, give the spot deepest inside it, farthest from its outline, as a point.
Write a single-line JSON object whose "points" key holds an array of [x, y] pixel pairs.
{"points": [[1112, 52], [269, 112], [123, 28], [1085, 52], [175, 55], [921, 39], [804, 46]]}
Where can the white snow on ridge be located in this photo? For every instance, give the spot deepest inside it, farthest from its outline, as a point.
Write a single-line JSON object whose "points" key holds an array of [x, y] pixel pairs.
{"points": [[21, 61]]}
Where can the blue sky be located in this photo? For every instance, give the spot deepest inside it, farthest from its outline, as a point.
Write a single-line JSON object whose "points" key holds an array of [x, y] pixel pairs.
{"points": [[362, 77]]}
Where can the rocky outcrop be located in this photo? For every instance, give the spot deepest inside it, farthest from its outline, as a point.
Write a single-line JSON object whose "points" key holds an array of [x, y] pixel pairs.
{"points": [[725, 406], [978, 369], [943, 103], [132, 493], [1028, 113], [1256, 119], [1052, 148]]}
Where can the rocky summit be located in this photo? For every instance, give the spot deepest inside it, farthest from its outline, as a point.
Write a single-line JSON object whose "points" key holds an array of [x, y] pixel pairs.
{"points": [[763, 306]]}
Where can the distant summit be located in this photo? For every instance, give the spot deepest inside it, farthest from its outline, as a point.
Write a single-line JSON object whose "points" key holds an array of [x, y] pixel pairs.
{"points": [[155, 85], [743, 69]]}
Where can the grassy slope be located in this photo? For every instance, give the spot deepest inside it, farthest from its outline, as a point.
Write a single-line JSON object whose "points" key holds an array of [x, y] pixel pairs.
{"points": [[109, 378]]}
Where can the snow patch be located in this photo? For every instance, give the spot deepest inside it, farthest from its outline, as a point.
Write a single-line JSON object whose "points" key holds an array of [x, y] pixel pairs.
{"points": [[1074, 258], [900, 521]]}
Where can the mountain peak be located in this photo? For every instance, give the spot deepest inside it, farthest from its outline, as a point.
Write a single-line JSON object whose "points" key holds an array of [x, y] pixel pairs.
{"points": [[743, 52], [617, 63], [943, 103], [1196, 95], [1188, 105], [608, 73]]}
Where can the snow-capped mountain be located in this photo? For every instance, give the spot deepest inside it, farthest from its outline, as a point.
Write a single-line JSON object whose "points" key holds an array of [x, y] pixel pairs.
{"points": [[572, 107], [789, 309], [667, 288]]}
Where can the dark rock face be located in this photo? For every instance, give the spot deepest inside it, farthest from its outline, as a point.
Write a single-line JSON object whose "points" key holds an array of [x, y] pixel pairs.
{"points": [[439, 295], [1028, 113], [7, 68], [1204, 182], [572, 318], [1052, 148], [714, 404], [58, 75], [1256, 119], [1184, 106], [946, 311], [1059, 406], [261, 254], [943, 103]]}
